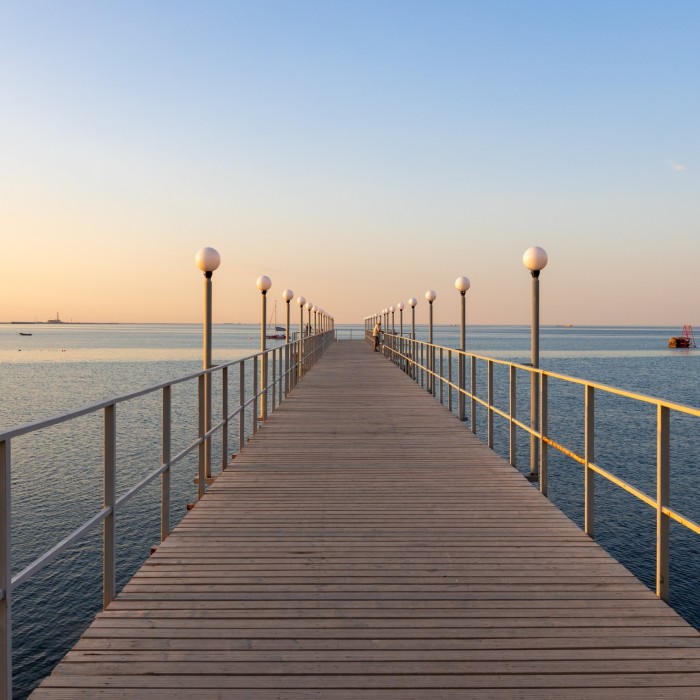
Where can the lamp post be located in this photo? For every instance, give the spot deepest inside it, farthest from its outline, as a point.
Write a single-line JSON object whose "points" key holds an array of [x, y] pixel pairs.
{"points": [[263, 283], [535, 259], [287, 296], [393, 325], [401, 306], [431, 296], [207, 260], [308, 307], [412, 303], [300, 362], [462, 284]]}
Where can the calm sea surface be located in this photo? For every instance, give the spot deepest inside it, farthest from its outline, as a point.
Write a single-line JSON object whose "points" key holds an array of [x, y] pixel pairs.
{"points": [[57, 483]]}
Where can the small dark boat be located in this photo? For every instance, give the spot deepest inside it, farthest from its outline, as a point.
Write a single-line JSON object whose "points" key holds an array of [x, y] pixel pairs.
{"points": [[24, 333]]}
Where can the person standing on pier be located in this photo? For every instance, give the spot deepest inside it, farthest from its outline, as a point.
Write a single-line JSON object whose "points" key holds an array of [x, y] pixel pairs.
{"points": [[376, 333]]}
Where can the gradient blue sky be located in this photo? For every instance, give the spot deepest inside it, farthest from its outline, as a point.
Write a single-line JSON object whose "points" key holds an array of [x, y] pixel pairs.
{"points": [[358, 152]]}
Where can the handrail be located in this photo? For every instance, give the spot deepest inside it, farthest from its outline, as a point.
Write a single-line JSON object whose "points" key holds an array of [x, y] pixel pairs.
{"points": [[290, 362], [418, 359]]}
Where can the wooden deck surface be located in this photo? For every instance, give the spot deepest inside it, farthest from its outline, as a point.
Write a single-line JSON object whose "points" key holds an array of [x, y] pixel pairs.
{"points": [[366, 545]]}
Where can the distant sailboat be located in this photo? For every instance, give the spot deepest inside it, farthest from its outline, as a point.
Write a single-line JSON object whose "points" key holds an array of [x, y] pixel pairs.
{"points": [[275, 333]]}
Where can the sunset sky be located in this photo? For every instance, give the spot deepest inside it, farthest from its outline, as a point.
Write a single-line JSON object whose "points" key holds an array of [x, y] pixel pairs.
{"points": [[359, 152]]}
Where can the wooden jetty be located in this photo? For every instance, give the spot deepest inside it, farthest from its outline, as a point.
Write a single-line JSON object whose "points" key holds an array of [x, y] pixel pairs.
{"points": [[366, 545]]}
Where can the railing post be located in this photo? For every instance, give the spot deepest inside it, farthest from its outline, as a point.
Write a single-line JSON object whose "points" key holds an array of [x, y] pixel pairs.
{"points": [[300, 358], [461, 382], [255, 394], [109, 579], [442, 373], [589, 457], [166, 454], [544, 417], [283, 376], [241, 414], [207, 422], [5, 571], [287, 363], [422, 365], [489, 422], [274, 379], [201, 430], [663, 482], [512, 410], [224, 416], [449, 380], [534, 424], [472, 382]]}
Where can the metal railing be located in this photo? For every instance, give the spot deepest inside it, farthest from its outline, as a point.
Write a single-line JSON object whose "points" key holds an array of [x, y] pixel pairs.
{"points": [[287, 363], [431, 366]]}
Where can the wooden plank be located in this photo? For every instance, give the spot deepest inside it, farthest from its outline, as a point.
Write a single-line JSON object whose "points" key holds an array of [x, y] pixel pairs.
{"points": [[364, 544]]}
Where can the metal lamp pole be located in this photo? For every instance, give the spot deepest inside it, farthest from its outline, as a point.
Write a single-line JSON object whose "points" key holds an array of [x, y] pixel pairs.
{"points": [[309, 306], [412, 303], [431, 296], [207, 260], [287, 296], [263, 283], [462, 284], [300, 362], [535, 260]]}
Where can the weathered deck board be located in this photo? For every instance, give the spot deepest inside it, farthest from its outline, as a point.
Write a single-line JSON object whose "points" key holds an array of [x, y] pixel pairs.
{"points": [[366, 545]]}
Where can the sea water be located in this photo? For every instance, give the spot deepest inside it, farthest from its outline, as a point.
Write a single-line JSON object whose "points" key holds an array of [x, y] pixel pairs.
{"points": [[57, 481]]}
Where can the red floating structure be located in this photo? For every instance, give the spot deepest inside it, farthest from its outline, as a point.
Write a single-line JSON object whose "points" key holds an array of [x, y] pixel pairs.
{"points": [[685, 340]]}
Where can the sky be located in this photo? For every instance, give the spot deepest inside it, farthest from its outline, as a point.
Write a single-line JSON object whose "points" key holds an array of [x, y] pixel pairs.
{"points": [[357, 152]]}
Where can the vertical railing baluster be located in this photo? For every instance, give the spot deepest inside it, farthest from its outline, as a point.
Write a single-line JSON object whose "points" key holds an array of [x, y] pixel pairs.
{"points": [[663, 487], [201, 430], [274, 379], [489, 422], [544, 417], [262, 405], [442, 378], [241, 399], [512, 410], [460, 382], [473, 392], [300, 356], [449, 380], [224, 416], [166, 455], [255, 394], [422, 365], [287, 359], [589, 456], [6, 571], [109, 579], [283, 376]]}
